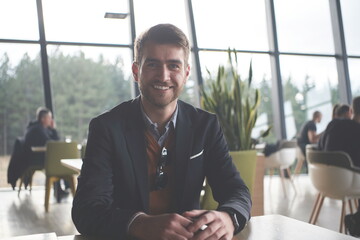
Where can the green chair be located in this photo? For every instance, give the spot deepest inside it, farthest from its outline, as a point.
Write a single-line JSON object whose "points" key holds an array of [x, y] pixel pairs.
{"points": [[245, 162], [54, 170]]}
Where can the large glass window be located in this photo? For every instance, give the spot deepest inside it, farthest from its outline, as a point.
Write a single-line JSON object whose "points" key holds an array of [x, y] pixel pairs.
{"points": [[189, 93], [87, 81], [18, 19], [83, 21], [354, 69], [351, 18], [149, 13], [261, 80], [21, 91], [304, 26], [309, 84], [231, 23]]}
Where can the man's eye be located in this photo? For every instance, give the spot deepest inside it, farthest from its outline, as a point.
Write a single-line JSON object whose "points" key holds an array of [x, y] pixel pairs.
{"points": [[174, 66], [151, 65]]}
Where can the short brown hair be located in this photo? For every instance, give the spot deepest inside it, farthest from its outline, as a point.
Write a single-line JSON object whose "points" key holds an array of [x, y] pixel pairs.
{"points": [[161, 34], [356, 105], [316, 114], [342, 110], [41, 112]]}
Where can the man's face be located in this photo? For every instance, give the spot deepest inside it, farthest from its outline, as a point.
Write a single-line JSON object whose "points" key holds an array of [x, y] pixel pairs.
{"points": [[161, 74], [46, 120], [349, 114], [319, 118]]}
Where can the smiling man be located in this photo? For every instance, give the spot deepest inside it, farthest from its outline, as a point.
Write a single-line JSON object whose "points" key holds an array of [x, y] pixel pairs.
{"points": [[147, 158]]}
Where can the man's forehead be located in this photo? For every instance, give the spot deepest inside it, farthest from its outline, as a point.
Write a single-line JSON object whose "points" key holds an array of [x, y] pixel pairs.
{"points": [[158, 52]]}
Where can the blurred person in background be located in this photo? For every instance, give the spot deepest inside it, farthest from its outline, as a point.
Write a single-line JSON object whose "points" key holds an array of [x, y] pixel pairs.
{"points": [[38, 132], [343, 134], [329, 140], [307, 134]]}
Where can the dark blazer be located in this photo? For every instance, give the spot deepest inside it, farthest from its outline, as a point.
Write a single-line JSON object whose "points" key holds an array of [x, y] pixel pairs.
{"points": [[17, 164], [113, 184]]}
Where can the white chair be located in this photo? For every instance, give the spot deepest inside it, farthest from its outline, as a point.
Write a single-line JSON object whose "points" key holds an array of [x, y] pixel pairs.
{"points": [[282, 160], [334, 176]]}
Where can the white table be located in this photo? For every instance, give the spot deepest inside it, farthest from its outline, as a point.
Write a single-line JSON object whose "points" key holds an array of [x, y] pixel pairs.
{"points": [[277, 227], [270, 227], [73, 163], [43, 236], [38, 149]]}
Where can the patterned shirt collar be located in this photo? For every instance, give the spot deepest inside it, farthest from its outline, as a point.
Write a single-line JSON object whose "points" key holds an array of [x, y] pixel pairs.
{"points": [[153, 127]]}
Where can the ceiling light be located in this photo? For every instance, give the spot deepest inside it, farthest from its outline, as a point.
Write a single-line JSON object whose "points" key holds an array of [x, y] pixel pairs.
{"points": [[115, 15]]}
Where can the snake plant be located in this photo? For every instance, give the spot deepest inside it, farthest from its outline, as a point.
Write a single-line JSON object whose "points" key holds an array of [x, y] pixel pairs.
{"points": [[236, 106]]}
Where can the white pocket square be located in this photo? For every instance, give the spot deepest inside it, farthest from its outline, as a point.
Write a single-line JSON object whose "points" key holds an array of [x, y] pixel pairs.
{"points": [[196, 155]]}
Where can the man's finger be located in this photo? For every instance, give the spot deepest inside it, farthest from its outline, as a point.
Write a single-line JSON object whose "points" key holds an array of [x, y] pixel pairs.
{"points": [[200, 220], [213, 231], [182, 230]]}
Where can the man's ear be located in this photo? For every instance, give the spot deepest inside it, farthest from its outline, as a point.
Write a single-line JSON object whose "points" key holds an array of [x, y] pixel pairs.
{"points": [[135, 71]]}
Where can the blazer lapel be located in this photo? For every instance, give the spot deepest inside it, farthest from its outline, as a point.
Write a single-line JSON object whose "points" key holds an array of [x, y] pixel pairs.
{"points": [[183, 144], [137, 150]]}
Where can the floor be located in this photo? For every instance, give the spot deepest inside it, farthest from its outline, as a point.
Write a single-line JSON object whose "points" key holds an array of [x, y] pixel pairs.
{"points": [[26, 214], [299, 203]]}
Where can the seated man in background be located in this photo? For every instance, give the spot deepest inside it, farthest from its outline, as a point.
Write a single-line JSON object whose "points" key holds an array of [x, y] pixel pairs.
{"points": [[38, 132], [307, 134], [343, 134], [146, 159], [344, 112]]}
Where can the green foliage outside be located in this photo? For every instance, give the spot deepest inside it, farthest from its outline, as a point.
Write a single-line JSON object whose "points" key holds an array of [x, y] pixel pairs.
{"points": [[84, 88], [20, 94], [81, 88]]}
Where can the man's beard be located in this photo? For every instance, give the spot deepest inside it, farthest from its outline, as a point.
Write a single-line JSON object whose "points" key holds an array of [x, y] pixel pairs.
{"points": [[160, 103]]}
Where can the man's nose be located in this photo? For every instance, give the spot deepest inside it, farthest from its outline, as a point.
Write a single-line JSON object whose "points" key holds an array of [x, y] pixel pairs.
{"points": [[164, 74]]}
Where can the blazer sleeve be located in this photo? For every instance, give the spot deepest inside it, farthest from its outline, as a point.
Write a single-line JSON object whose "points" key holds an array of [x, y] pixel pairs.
{"points": [[94, 211], [229, 190]]}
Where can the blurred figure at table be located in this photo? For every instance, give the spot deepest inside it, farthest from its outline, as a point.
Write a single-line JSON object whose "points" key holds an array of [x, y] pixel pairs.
{"points": [[331, 139], [307, 134], [38, 132], [343, 134]]}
